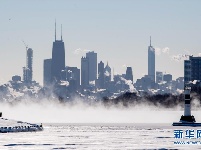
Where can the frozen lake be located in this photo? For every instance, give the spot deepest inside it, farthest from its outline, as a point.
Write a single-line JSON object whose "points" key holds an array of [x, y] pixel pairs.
{"points": [[96, 136]]}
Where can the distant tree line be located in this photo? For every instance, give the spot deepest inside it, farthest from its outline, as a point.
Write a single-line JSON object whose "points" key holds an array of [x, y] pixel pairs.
{"points": [[164, 100]]}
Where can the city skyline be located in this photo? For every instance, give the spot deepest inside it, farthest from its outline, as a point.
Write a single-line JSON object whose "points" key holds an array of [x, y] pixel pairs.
{"points": [[118, 34]]}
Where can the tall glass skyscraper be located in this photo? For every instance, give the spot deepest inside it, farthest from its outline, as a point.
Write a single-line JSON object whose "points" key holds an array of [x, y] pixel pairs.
{"points": [[192, 69], [47, 72], [84, 72], [92, 57], [129, 74], [58, 58], [101, 75], [159, 76], [151, 62], [28, 70]]}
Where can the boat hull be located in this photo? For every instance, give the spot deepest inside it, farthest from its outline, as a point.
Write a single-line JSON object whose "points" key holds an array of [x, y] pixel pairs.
{"points": [[192, 124], [7, 126]]}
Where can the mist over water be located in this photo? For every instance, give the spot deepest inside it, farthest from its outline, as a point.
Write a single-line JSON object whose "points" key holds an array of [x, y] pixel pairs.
{"points": [[48, 111]]}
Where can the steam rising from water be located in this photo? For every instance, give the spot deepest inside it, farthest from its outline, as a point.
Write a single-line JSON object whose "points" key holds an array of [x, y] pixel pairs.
{"points": [[47, 111], [130, 84]]}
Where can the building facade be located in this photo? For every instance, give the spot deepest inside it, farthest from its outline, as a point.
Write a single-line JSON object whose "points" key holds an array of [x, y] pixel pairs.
{"points": [[101, 75], [107, 75], [129, 74], [16, 78], [28, 70], [58, 59], [92, 57], [167, 78], [192, 69], [159, 76], [30, 63], [151, 62], [47, 72], [73, 77], [84, 72]]}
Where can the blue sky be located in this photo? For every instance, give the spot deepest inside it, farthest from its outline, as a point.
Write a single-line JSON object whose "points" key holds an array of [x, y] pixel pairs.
{"points": [[118, 30]]}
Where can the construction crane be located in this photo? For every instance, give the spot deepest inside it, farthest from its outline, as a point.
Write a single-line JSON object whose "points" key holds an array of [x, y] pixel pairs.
{"points": [[25, 45], [27, 71], [26, 50]]}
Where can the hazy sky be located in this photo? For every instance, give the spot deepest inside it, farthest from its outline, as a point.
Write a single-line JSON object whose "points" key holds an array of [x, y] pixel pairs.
{"points": [[118, 30]]}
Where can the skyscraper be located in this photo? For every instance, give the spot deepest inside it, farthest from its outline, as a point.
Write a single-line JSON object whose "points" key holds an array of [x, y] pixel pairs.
{"points": [[27, 71], [167, 78], [107, 75], [84, 72], [30, 62], [16, 78], [107, 72], [192, 69], [58, 58], [151, 62], [187, 71], [47, 72], [101, 75], [159, 76], [92, 57], [129, 74], [73, 77]]}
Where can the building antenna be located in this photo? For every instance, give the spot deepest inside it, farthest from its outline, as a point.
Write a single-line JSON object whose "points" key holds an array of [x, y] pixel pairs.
{"points": [[61, 32], [25, 45], [26, 53], [150, 40], [55, 30]]}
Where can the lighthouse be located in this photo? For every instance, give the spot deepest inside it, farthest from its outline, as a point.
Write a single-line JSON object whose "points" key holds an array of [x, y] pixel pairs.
{"points": [[187, 119], [187, 107]]}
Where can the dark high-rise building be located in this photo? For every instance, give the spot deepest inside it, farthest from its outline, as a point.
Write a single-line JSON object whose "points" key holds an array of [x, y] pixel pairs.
{"points": [[145, 83], [16, 78], [187, 71], [107, 75], [192, 69], [27, 71], [167, 78], [129, 74], [180, 83], [58, 58], [25, 74], [151, 62], [30, 62], [101, 75], [73, 77], [47, 72], [159, 76], [84, 72], [92, 65]]}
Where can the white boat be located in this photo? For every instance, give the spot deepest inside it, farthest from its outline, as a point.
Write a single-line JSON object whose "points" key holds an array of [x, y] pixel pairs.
{"points": [[7, 125]]}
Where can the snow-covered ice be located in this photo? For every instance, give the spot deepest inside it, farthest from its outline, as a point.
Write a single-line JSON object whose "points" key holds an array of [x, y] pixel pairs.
{"points": [[96, 136]]}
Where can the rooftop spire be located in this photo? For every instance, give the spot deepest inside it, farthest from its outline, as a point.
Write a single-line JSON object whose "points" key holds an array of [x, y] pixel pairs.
{"points": [[61, 32], [150, 40], [55, 29]]}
